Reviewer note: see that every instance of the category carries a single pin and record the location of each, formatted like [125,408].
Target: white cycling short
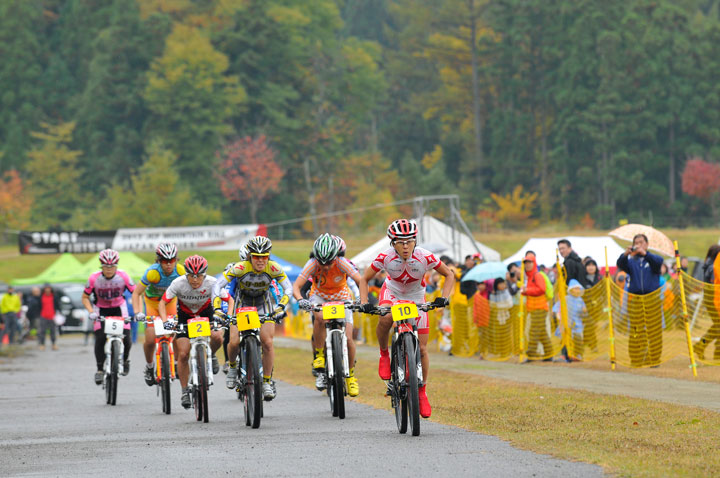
[317,300]
[387,298]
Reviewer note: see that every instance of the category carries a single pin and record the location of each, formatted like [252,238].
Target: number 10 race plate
[199,327]
[404,310]
[247,318]
[333,310]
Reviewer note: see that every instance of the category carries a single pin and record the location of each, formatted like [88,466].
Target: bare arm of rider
[299,282]
[444,270]
[137,296]
[86,302]
[363,283]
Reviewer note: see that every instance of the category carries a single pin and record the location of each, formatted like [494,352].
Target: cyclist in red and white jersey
[108,286]
[405,265]
[194,292]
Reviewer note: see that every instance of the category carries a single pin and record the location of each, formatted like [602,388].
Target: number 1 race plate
[114,325]
[198,327]
[333,310]
[404,310]
[247,318]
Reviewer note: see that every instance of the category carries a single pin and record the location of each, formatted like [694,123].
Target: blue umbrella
[486,271]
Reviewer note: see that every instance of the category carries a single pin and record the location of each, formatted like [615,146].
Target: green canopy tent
[64,269]
[129,262]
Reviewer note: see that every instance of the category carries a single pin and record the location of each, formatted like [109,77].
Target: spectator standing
[511,278]
[577,315]
[32,302]
[10,310]
[468,287]
[710,297]
[537,308]
[643,271]
[593,303]
[49,306]
[574,268]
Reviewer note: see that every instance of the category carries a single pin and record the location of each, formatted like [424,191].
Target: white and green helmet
[325,249]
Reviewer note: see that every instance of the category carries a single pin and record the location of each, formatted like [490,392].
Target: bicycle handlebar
[127,320]
[425,307]
[346,304]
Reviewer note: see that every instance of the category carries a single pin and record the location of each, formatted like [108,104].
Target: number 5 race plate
[333,310]
[404,310]
[247,318]
[114,326]
[199,327]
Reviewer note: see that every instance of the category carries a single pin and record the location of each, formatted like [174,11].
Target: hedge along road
[55,423]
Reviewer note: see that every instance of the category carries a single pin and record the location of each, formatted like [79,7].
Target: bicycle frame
[159,340]
[252,334]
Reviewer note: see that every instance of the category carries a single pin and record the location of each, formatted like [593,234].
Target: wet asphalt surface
[54,422]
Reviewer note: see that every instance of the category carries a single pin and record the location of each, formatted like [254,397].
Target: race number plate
[114,325]
[160,328]
[333,310]
[404,310]
[247,318]
[199,327]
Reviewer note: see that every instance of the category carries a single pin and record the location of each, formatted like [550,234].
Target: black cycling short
[183,317]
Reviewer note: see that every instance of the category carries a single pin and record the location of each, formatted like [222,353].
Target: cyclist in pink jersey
[108,286]
[405,265]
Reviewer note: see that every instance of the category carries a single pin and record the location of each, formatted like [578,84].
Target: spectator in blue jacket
[643,270]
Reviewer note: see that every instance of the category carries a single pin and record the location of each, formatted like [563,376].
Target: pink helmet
[109,257]
[402,229]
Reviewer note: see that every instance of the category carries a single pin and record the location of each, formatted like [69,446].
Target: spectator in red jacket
[49,305]
[537,309]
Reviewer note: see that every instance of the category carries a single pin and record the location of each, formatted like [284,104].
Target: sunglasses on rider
[195,276]
[168,261]
[405,243]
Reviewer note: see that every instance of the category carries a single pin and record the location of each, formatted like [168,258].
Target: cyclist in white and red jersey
[405,265]
[108,286]
[194,292]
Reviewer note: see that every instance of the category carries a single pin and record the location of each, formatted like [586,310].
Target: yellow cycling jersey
[253,283]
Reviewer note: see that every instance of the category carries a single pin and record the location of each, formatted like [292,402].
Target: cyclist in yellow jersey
[152,286]
[253,280]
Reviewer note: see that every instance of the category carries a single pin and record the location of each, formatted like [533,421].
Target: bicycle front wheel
[337,394]
[253,386]
[398,390]
[201,388]
[413,401]
[165,378]
[112,378]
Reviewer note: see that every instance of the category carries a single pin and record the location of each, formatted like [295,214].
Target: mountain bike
[199,330]
[249,383]
[337,367]
[164,360]
[405,366]
[114,365]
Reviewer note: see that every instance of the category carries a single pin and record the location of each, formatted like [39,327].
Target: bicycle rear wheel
[165,378]
[253,386]
[337,395]
[413,401]
[398,393]
[112,378]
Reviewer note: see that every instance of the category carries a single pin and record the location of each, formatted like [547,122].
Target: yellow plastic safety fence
[593,341]
[648,328]
[298,325]
[464,333]
[702,301]
[497,340]
[542,332]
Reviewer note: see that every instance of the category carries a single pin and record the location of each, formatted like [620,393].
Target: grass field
[627,436]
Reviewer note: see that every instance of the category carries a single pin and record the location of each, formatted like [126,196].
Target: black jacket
[575,269]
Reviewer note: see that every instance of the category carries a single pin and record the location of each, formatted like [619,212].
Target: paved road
[55,423]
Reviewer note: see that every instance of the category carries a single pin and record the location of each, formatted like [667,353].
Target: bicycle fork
[108,355]
[242,377]
[194,345]
[158,360]
[330,366]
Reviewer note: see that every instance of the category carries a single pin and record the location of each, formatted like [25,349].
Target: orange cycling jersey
[331,283]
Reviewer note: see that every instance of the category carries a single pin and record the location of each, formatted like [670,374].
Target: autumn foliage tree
[14,202]
[248,172]
[701,179]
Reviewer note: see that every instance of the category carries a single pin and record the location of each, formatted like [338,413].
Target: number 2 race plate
[199,327]
[114,325]
[404,310]
[247,318]
[333,310]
